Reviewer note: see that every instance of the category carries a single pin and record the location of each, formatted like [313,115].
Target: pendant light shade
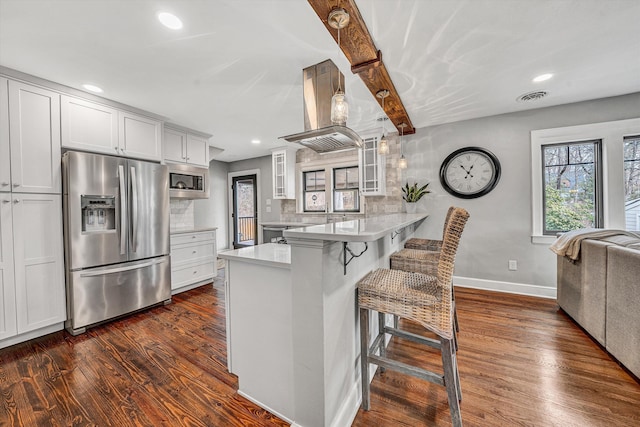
[383,145]
[339,108]
[402,163]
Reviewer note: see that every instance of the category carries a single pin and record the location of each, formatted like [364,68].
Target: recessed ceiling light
[255,141]
[92,88]
[169,20]
[542,78]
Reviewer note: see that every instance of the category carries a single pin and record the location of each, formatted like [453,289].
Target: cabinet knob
[16,201]
[188,158]
[195,271]
[194,252]
[116,149]
[193,237]
[6,201]
[4,184]
[16,185]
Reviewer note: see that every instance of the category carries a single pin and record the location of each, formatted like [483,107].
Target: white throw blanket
[569,243]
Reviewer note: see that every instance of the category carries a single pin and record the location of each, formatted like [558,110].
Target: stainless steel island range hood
[320,82]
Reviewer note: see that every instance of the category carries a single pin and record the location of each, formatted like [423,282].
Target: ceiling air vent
[532,96]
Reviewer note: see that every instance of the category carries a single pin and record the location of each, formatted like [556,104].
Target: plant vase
[411,207]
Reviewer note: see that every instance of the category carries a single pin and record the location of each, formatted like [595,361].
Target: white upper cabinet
[5,152]
[283,164]
[181,146]
[197,150]
[89,126]
[34,139]
[372,167]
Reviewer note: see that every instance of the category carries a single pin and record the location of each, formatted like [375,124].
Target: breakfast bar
[292,327]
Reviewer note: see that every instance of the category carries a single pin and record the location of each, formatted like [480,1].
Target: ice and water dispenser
[98,213]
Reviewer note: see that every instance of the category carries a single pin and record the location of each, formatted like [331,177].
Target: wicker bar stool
[426,299]
[429,244]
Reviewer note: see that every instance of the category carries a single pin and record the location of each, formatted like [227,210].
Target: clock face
[470,172]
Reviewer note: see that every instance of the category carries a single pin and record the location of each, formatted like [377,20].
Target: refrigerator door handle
[123,210]
[104,271]
[134,210]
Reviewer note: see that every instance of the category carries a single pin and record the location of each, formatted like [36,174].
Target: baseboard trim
[508,287]
[262,405]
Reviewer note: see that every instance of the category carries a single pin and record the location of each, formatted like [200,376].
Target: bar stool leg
[364,357]
[448,363]
[383,350]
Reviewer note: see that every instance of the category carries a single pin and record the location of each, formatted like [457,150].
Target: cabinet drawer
[179,239]
[192,253]
[185,276]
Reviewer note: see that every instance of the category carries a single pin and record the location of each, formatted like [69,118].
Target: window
[614,138]
[632,182]
[346,196]
[572,186]
[314,191]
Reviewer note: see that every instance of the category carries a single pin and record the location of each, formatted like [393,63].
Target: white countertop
[361,230]
[270,254]
[191,230]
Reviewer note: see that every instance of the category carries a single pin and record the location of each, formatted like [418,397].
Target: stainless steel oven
[188,182]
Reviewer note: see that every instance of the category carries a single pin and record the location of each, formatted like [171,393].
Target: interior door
[148,209]
[245,211]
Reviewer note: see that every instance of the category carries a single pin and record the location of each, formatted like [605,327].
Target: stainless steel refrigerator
[116,226]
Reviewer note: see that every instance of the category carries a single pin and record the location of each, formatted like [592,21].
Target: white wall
[212,212]
[500,225]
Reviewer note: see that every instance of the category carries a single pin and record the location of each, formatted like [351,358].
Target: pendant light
[339,18]
[383,145]
[402,163]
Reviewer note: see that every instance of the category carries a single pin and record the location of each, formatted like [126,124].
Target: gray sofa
[601,292]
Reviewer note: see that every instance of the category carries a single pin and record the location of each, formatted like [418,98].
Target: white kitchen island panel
[292,327]
[259,325]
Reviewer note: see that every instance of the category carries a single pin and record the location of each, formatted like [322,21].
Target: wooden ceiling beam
[365,59]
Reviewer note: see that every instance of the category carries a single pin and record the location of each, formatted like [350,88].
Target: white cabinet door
[34,136]
[5,153]
[283,164]
[140,137]
[89,126]
[7,287]
[197,151]
[372,168]
[175,145]
[39,275]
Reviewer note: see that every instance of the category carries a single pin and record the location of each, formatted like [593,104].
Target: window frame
[597,167]
[612,135]
[356,188]
[304,191]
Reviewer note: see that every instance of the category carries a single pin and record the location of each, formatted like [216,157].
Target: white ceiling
[235,69]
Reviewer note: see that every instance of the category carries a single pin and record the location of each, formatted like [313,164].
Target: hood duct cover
[320,82]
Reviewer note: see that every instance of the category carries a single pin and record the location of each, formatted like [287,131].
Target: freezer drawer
[99,294]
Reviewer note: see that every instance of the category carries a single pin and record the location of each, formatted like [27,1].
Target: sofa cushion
[623,306]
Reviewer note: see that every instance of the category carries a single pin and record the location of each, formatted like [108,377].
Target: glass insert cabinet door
[372,167]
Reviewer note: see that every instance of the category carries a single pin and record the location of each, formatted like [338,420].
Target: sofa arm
[581,287]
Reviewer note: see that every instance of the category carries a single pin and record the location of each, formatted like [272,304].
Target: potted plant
[413,193]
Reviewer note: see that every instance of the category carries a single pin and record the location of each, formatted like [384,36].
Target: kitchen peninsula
[292,331]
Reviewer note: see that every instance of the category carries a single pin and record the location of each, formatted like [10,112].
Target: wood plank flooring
[522,362]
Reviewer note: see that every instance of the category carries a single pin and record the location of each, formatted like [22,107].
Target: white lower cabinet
[32,292]
[193,259]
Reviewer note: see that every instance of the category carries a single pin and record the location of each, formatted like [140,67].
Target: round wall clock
[470,172]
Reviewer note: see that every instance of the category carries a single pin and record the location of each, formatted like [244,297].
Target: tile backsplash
[181,214]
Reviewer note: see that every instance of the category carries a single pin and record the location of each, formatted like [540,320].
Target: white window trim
[328,186]
[612,135]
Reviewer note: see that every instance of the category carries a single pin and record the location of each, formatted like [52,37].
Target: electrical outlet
[513,265]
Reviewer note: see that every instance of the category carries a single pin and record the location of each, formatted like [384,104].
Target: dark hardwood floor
[522,362]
